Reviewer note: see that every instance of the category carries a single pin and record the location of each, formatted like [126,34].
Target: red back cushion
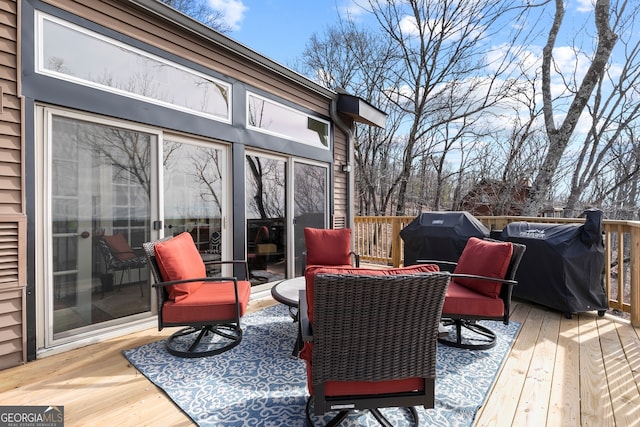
[179,259]
[311,272]
[328,247]
[119,246]
[484,258]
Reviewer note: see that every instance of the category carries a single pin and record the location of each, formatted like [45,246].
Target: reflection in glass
[70,51]
[310,204]
[265,212]
[99,192]
[274,118]
[193,186]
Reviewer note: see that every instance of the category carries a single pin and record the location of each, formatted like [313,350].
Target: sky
[279,29]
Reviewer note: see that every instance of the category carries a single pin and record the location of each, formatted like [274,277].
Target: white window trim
[40,69]
[266,131]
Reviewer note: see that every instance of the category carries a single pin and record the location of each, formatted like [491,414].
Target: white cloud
[353,8]
[408,25]
[585,5]
[232,11]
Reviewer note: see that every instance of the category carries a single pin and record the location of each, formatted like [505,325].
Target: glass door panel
[194,197]
[309,204]
[266,214]
[100,214]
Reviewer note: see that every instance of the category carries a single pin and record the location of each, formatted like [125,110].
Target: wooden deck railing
[377,240]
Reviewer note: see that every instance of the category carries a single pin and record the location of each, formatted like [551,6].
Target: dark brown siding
[12,220]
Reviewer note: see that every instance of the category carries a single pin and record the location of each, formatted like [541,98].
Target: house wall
[12,219]
[148,27]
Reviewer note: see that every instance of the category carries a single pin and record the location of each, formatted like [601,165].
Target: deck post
[635,276]
[396,242]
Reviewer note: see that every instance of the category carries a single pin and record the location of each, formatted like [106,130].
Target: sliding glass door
[195,193]
[107,188]
[309,204]
[266,213]
[99,192]
[283,196]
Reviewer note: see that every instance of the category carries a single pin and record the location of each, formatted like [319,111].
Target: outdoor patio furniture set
[369,335]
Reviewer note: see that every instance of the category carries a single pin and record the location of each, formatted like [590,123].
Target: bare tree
[348,58]
[202,11]
[579,92]
[444,79]
[609,144]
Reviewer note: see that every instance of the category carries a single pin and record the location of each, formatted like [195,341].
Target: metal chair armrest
[435,261]
[200,279]
[242,262]
[489,279]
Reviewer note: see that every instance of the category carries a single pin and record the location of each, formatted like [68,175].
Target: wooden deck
[560,372]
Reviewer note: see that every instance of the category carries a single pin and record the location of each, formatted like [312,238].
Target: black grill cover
[440,236]
[563,265]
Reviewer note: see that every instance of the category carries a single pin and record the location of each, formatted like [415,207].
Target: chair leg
[231,332]
[381,419]
[385,422]
[335,421]
[140,282]
[486,340]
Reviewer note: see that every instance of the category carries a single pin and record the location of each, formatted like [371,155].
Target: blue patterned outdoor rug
[258,383]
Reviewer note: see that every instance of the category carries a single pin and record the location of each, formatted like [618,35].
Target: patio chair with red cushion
[480,289]
[206,306]
[372,343]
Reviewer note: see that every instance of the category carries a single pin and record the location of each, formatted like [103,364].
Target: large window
[76,54]
[273,118]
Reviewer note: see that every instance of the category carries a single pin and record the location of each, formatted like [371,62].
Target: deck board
[564,399]
[583,371]
[596,409]
[502,403]
[532,408]
[622,387]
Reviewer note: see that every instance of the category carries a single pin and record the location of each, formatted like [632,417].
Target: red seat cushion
[328,247]
[484,258]
[213,301]
[119,246]
[461,301]
[313,270]
[179,259]
[351,388]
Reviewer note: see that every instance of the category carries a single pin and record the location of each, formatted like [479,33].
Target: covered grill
[563,266]
[440,236]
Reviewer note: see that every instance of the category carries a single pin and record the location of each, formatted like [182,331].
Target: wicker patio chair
[374,342]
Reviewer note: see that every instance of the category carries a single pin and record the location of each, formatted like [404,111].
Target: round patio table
[288,292]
